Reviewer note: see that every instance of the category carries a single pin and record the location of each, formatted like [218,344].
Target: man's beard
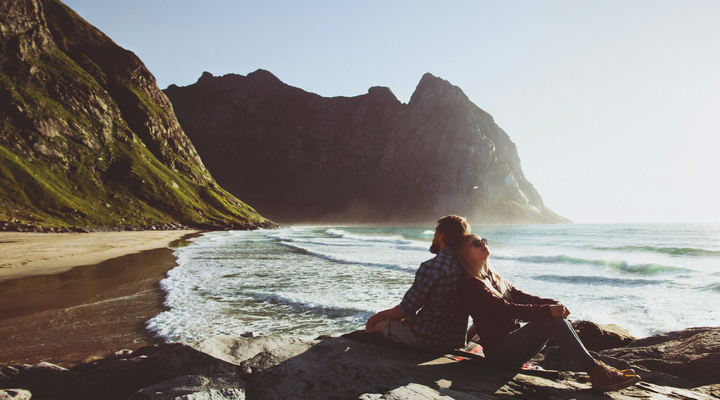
[435,247]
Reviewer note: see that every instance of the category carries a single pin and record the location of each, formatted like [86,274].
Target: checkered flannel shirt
[442,319]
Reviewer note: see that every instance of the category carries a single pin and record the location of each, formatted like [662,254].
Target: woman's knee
[558,321]
[550,324]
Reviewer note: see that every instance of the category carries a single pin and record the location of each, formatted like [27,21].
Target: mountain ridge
[301,157]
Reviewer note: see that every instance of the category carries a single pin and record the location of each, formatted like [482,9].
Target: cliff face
[87,138]
[300,157]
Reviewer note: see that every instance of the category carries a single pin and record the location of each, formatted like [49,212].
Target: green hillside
[87,138]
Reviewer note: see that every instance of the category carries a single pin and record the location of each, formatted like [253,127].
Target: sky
[614,105]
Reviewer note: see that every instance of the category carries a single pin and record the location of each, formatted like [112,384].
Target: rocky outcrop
[337,368]
[88,139]
[300,157]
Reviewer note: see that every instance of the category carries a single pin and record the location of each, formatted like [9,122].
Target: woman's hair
[481,269]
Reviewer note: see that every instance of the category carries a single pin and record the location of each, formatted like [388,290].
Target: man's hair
[454,228]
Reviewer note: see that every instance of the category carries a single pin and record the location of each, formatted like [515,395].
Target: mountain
[300,157]
[88,139]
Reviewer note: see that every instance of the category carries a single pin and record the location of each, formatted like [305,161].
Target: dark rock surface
[693,354]
[87,139]
[232,367]
[300,157]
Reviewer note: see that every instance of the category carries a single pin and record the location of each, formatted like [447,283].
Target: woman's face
[478,249]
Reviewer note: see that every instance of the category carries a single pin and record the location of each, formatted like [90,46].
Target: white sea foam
[348,258]
[308,281]
[393,239]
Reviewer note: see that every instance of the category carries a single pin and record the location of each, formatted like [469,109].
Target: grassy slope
[90,168]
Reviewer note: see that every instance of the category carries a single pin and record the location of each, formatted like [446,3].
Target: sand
[71,298]
[29,254]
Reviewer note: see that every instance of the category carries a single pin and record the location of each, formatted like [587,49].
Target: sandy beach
[72,297]
[29,254]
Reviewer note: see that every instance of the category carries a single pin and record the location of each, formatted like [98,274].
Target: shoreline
[30,254]
[92,302]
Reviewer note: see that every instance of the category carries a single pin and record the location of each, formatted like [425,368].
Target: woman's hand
[558,310]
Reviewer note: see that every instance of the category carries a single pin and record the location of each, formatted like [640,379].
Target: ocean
[308,281]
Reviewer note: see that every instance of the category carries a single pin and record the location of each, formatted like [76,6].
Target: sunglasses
[479,242]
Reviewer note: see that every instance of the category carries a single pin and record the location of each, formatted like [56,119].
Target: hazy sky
[614,105]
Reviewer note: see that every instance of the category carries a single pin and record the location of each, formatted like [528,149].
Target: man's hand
[392,313]
[374,320]
[559,310]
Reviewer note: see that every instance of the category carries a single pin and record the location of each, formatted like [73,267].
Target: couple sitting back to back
[459,281]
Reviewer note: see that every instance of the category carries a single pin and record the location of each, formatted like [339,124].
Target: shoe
[606,378]
[623,371]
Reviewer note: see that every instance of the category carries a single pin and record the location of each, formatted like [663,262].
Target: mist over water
[308,281]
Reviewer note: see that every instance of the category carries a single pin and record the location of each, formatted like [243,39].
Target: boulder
[692,354]
[15,394]
[205,369]
[41,379]
[195,387]
[414,391]
[117,376]
[598,337]
[236,350]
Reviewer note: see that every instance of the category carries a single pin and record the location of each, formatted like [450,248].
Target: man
[432,314]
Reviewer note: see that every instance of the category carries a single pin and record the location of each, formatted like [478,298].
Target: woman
[496,306]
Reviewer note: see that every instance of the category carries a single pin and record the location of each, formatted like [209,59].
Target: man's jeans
[524,343]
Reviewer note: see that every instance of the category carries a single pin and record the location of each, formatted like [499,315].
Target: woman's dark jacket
[494,317]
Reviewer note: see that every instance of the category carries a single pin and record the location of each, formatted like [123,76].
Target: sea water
[308,281]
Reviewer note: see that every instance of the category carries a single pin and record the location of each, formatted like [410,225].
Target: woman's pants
[525,342]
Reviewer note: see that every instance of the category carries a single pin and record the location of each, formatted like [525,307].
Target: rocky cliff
[86,136]
[300,157]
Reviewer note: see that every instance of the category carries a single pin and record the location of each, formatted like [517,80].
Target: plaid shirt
[442,319]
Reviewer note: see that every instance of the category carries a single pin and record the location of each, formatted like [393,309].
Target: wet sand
[88,311]
[29,254]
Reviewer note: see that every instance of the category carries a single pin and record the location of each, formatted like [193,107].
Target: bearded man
[431,315]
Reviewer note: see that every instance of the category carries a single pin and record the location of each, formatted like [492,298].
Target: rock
[414,391]
[42,379]
[387,161]
[195,387]
[692,354]
[236,350]
[598,337]
[118,376]
[211,367]
[15,394]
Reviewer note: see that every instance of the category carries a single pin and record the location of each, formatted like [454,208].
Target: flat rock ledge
[676,365]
